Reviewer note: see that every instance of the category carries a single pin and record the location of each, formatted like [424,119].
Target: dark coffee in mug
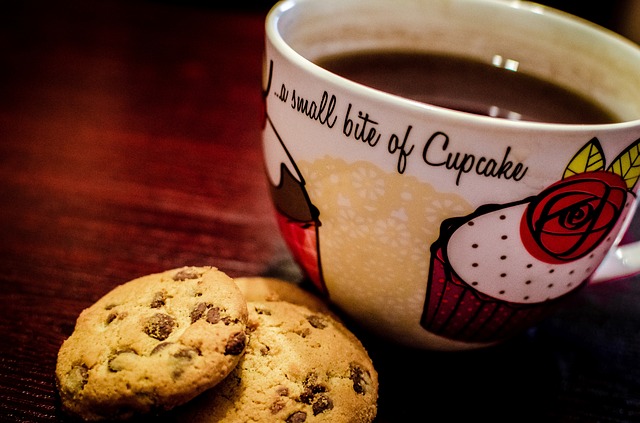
[496,89]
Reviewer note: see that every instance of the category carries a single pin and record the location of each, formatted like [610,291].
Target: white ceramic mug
[437,228]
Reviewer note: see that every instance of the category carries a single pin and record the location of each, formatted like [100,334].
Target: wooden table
[130,144]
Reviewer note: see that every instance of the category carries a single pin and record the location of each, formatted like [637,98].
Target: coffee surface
[468,85]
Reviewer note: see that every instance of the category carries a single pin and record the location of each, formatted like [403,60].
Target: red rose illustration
[571,217]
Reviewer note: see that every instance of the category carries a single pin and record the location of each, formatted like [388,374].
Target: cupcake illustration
[500,269]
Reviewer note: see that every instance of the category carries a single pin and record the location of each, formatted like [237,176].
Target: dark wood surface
[130,144]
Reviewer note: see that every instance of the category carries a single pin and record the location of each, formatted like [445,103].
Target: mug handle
[621,262]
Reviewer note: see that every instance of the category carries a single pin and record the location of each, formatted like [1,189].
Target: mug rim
[275,37]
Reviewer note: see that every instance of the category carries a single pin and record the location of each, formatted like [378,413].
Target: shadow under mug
[438,228]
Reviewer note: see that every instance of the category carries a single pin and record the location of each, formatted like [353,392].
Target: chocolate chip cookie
[299,366]
[152,343]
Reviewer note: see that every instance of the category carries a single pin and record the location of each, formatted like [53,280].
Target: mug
[439,228]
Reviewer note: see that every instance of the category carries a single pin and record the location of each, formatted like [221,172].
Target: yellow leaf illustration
[589,159]
[627,164]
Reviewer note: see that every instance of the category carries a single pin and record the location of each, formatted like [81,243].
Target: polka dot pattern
[488,254]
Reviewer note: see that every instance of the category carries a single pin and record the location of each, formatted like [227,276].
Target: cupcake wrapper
[455,310]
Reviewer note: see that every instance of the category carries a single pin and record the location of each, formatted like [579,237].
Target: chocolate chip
[115,315]
[321,404]
[235,344]
[306,396]
[264,311]
[277,406]
[311,381]
[161,346]
[318,388]
[359,377]
[297,417]
[198,312]
[186,354]
[312,389]
[302,332]
[186,273]
[159,326]
[158,299]
[317,321]
[213,315]
[228,320]
[111,317]
[282,391]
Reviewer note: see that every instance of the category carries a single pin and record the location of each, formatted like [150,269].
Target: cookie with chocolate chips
[300,365]
[152,343]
